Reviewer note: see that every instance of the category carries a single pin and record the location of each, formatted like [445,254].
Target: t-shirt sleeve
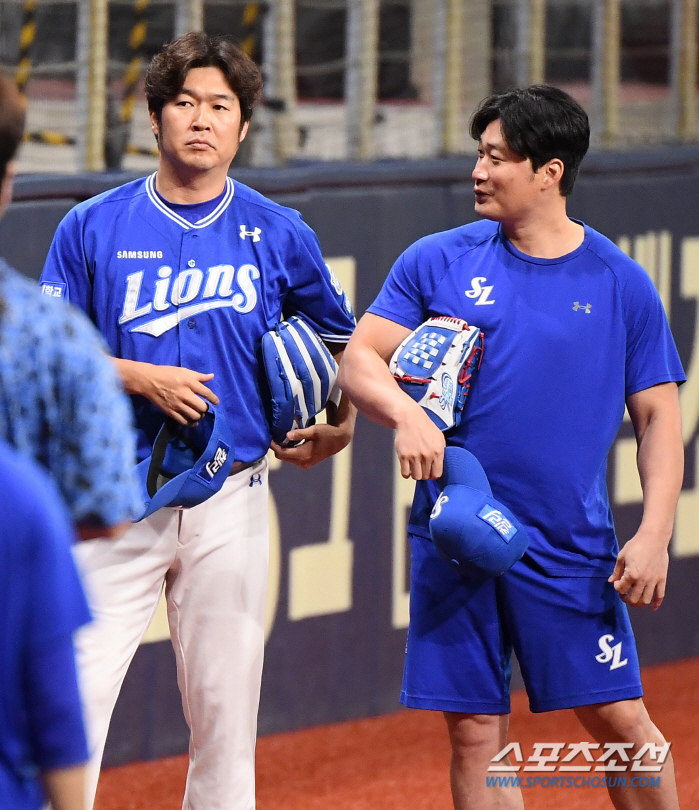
[315,292]
[401,298]
[56,607]
[55,720]
[651,354]
[94,456]
[58,604]
[65,273]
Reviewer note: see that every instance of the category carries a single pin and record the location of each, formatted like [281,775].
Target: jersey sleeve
[651,354]
[315,292]
[401,298]
[65,273]
[93,456]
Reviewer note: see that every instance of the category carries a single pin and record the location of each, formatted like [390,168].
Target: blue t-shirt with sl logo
[566,341]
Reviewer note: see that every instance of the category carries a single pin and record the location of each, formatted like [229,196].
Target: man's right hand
[178,392]
[366,379]
[420,446]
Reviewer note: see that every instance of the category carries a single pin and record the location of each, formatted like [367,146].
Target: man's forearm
[65,787]
[365,377]
[343,416]
[657,420]
[134,375]
[661,466]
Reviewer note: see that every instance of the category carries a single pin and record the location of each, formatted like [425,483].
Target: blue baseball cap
[187,464]
[469,528]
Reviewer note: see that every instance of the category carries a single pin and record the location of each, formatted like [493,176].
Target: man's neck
[545,235]
[188,186]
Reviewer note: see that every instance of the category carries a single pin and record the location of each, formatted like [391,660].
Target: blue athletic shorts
[571,635]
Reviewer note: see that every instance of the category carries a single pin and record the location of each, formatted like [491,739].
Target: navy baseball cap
[187,464]
[469,528]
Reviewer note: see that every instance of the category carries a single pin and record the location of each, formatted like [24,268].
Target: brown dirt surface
[401,760]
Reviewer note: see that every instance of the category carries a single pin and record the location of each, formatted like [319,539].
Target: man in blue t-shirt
[574,330]
[42,739]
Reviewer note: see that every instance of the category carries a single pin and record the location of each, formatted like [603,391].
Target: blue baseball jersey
[566,341]
[41,605]
[200,294]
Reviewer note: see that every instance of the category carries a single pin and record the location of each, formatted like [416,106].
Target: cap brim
[462,467]
[200,478]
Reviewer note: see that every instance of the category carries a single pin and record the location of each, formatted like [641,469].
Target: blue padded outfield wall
[338,603]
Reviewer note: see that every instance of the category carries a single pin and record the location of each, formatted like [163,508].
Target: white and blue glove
[435,365]
[302,376]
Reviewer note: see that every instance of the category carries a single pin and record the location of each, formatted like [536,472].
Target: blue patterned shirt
[62,404]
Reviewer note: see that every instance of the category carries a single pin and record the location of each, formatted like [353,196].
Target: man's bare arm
[65,787]
[365,378]
[641,569]
[178,392]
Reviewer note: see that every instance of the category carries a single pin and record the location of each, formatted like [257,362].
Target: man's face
[200,128]
[505,184]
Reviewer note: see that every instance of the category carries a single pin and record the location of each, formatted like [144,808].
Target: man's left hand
[640,573]
[319,442]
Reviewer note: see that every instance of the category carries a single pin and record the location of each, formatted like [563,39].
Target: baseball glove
[435,365]
[302,376]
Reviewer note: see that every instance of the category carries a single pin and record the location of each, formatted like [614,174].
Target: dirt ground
[401,760]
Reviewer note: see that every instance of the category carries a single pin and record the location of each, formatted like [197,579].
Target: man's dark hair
[12,112]
[169,67]
[540,123]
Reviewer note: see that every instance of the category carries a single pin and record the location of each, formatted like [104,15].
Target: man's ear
[154,124]
[552,172]
[243,131]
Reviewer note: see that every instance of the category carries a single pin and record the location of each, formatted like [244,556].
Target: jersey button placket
[187,261]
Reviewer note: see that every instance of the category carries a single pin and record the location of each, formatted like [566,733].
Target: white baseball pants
[213,561]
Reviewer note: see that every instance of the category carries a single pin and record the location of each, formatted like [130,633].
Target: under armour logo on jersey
[610,653]
[480,291]
[255,479]
[255,234]
[587,307]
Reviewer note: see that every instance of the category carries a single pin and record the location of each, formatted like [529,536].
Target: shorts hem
[588,699]
[459,706]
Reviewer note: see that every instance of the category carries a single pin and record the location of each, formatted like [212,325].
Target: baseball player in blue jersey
[573,330]
[183,272]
